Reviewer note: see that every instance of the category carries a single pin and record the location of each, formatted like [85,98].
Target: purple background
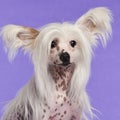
[104,84]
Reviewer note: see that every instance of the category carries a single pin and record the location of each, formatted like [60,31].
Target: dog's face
[63,52]
[64,46]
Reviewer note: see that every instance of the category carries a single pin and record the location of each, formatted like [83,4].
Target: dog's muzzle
[65,58]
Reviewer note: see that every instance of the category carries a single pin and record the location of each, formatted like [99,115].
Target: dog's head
[62,44]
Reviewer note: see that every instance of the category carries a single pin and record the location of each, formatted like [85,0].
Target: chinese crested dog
[61,55]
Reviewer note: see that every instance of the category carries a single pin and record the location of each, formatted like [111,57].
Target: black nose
[65,58]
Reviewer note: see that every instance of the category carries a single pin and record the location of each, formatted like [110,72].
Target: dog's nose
[65,58]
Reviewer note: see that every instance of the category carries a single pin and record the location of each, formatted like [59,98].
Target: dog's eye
[53,44]
[73,43]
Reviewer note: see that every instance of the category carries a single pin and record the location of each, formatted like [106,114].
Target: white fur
[93,25]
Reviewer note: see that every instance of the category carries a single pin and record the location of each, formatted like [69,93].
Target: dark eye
[53,44]
[73,43]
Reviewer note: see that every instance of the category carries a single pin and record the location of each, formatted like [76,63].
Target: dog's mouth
[65,64]
[62,71]
[62,67]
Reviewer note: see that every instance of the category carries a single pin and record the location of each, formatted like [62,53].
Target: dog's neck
[61,75]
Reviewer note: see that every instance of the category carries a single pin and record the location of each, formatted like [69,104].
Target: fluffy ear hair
[98,23]
[16,37]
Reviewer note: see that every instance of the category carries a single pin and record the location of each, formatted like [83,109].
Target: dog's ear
[16,37]
[98,22]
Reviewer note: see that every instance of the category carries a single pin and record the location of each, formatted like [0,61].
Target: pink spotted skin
[62,108]
[65,111]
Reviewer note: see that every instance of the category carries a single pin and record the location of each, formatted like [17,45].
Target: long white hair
[93,25]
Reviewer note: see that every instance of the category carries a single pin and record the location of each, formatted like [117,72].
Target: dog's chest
[62,108]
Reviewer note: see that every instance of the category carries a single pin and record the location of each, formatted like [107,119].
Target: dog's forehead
[71,31]
[62,30]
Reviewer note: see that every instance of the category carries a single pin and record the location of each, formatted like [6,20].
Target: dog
[61,54]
